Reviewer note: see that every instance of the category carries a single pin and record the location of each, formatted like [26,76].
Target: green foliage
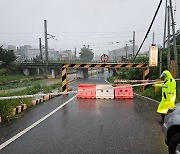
[132,73]
[154,73]
[6,106]
[86,54]
[11,69]
[7,78]
[4,72]
[141,60]
[150,92]
[7,57]
[17,85]
[38,59]
[111,79]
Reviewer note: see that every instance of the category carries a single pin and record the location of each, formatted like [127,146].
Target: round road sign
[104,58]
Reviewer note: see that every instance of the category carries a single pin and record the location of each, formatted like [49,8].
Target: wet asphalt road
[88,126]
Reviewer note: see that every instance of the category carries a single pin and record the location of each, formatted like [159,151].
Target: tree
[37,59]
[86,54]
[7,56]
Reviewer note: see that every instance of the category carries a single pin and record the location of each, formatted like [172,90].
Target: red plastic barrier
[86,94]
[123,91]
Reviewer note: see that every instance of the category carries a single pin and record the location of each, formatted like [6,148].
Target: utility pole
[165,25]
[75,53]
[153,39]
[164,40]
[126,51]
[40,49]
[168,51]
[174,38]
[46,45]
[134,33]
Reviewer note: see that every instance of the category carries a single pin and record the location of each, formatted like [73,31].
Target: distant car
[171,129]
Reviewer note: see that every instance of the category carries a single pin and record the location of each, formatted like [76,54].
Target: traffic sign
[104,58]
[153,55]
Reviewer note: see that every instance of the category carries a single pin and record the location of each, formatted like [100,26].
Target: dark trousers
[163,116]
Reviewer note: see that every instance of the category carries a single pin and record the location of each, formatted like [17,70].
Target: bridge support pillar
[82,73]
[85,73]
[53,73]
[26,72]
[100,70]
[38,71]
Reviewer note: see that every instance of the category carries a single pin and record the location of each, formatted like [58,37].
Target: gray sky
[79,22]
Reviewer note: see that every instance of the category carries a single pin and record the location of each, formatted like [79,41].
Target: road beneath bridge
[88,126]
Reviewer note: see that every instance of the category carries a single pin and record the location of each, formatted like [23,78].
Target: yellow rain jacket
[168,93]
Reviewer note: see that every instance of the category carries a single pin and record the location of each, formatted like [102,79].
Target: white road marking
[34,125]
[147,98]
[107,81]
[72,81]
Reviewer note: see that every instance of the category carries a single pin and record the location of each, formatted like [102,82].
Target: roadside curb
[69,81]
[20,108]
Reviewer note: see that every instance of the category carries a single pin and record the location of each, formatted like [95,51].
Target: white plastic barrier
[106,92]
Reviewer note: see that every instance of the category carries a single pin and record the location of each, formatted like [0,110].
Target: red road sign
[104,58]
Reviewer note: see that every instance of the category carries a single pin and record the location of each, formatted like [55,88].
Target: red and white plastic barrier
[123,91]
[104,92]
[84,93]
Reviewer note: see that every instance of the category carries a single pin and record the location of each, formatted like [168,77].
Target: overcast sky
[77,22]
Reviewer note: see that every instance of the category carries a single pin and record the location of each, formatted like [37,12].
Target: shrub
[150,92]
[4,71]
[6,106]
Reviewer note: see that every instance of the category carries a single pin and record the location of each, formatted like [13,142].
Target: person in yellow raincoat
[168,93]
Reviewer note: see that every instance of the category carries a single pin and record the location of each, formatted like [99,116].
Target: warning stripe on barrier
[73,92]
[146,73]
[64,80]
[107,65]
[144,66]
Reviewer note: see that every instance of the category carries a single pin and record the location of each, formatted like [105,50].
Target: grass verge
[6,106]
[7,78]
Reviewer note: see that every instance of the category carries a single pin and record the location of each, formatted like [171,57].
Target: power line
[148,29]
[18,33]
[84,33]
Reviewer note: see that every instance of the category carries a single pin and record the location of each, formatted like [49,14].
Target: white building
[66,55]
[26,52]
[53,54]
[119,54]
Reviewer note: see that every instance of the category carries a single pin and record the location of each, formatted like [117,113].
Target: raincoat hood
[167,75]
